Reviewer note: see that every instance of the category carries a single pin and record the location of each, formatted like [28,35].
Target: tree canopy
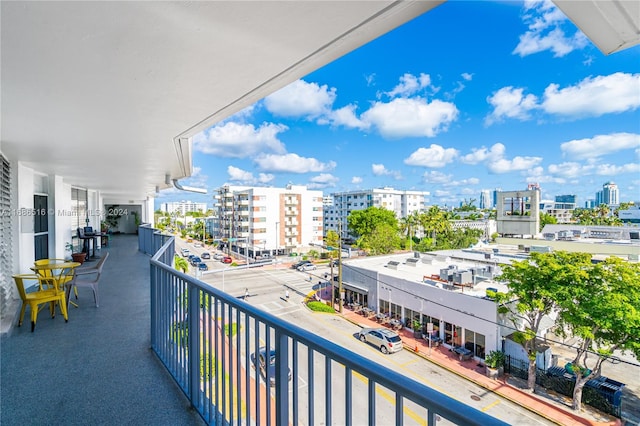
[364,222]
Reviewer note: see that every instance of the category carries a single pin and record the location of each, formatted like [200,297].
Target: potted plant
[76,257]
[417,329]
[494,363]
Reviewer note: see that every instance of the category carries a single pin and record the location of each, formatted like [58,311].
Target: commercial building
[260,220]
[451,290]
[402,203]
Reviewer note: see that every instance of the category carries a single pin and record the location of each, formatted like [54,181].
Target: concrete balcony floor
[98,368]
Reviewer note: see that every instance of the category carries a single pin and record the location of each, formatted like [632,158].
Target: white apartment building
[182,207]
[259,220]
[402,203]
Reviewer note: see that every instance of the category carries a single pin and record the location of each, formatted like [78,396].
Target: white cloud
[510,102]
[545,33]
[434,176]
[441,193]
[570,170]
[239,140]
[504,165]
[480,155]
[345,116]
[381,170]
[410,84]
[292,163]
[435,156]
[614,170]
[356,180]
[414,117]
[594,96]
[323,180]
[301,99]
[470,181]
[238,175]
[467,76]
[370,79]
[600,145]
[537,174]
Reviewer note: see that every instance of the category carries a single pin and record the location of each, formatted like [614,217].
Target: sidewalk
[552,409]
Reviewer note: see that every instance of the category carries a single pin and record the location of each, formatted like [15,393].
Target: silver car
[388,341]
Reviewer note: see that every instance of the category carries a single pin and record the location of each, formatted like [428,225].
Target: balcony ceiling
[99,92]
[102,93]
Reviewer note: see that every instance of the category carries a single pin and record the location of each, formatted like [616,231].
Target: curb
[482,385]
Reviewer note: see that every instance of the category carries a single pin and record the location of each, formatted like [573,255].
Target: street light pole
[340,266]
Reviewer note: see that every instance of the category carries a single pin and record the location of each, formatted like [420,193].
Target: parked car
[185,252]
[218,256]
[195,260]
[227,259]
[307,267]
[197,244]
[388,341]
[203,266]
[299,264]
[266,362]
[333,263]
[205,255]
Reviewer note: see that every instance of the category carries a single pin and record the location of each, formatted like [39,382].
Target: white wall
[26,246]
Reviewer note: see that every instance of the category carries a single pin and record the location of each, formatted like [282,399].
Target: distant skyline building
[610,194]
[402,203]
[182,207]
[494,197]
[485,199]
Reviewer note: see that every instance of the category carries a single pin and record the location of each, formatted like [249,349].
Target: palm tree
[434,221]
[408,225]
[180,263]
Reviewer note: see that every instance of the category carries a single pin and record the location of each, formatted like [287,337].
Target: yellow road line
[490,406]
[392,400]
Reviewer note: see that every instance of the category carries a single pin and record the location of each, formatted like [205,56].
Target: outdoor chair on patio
[87,277]
[39,297]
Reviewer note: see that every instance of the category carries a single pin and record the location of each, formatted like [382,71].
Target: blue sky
[470,96]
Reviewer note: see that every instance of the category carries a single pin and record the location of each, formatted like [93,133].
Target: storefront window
[474,342]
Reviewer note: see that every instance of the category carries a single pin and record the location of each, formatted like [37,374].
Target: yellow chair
[47,276]
[36,298]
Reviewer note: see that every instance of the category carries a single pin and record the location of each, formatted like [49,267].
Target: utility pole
[340,266]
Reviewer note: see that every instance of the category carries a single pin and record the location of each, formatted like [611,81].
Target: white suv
[386,340]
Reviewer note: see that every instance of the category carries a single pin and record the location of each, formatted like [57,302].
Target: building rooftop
[476,266]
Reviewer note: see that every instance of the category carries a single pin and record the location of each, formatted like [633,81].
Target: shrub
[320,307]
[495,359]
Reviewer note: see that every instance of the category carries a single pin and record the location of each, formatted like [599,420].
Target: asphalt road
[267,288]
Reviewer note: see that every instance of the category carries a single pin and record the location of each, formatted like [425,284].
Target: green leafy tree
[535,287]
[434,222]
[407,226]
[363,222]
[384,239]
[180,263]
[547,219]
[602,309]
[332,239]
[600,215]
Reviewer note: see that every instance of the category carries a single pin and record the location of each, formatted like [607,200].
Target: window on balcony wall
[78,209]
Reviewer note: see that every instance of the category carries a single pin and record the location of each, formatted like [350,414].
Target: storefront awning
[352,287]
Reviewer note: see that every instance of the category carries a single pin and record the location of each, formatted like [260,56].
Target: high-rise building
[494,196]
[485,199]
[610,194]
[259,220]
[402,203]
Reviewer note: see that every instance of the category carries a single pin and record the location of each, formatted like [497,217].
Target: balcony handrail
[168,289]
